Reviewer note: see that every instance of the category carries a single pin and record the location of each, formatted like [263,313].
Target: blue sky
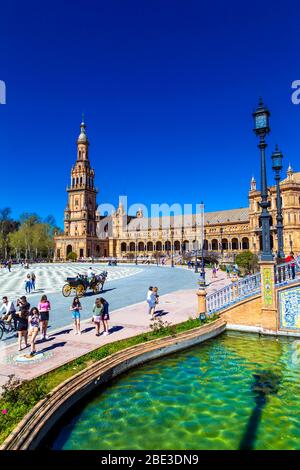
[167,88]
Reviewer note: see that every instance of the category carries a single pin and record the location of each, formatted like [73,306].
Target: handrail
[285,273]
[233,293]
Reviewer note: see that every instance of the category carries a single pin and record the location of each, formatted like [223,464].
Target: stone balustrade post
[201,294]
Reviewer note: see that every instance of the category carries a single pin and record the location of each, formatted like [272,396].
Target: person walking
[105,315]
[292,267]
[33,321]
[75,309]
[21,316]
[28,284]
[33,278]
[97,315]
[151,300]
[44,308]
[228,270]
[214,272]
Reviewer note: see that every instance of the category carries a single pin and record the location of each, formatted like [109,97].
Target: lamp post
[261,129]
[221,246]
[291,242]
[277,167]
[136,261]
[196,248]
[172,247]
[202,283]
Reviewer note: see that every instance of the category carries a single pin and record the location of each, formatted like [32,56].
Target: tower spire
[82,138]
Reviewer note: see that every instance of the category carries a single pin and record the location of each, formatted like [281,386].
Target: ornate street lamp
[291,242]
[196,248]
[261,129]
[136,246]
[172,247]
[202,283]
[221,246]
[277,167]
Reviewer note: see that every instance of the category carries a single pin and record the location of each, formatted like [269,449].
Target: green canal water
[233,392]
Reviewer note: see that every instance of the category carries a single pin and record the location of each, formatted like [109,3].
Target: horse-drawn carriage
[81,283]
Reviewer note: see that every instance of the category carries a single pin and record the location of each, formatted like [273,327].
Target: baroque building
[226,232]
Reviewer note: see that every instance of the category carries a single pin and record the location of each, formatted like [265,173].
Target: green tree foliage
[247,260]
[72,256]
[7,226]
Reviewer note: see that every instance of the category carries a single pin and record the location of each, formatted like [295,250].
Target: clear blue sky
[167,88]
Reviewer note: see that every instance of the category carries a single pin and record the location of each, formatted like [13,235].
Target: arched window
[132,246]
[168,245]
[224,244]
[234,244]
[123,246]
[141,246]
[69,249]
[185,245]
[245,243]
[149,246]
[177,245]
[158,246]
[214,245]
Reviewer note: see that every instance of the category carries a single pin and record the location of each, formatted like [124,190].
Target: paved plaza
[125,291]
[51,277]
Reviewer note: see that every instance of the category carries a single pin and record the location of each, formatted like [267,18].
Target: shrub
[247,260]
[72,256]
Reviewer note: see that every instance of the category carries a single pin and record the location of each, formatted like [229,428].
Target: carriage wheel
[80,290]
[1,331]
[66,290]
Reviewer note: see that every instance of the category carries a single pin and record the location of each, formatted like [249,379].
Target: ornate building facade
[226,232]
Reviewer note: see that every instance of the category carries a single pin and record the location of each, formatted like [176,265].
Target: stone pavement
[63,345]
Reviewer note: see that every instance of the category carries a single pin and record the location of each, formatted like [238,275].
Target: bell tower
[80,217]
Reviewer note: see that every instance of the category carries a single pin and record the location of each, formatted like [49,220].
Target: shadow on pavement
[116,328]
[92,294]
[53,346]
[62,332]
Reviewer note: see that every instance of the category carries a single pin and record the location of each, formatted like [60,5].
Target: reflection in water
[235,391]
[265,383]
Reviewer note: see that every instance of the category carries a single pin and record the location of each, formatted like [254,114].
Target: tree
[72,256]
[7,226]
[247,261]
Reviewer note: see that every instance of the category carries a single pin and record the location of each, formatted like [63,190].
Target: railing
[287,272]
[233,293]
[284,274]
